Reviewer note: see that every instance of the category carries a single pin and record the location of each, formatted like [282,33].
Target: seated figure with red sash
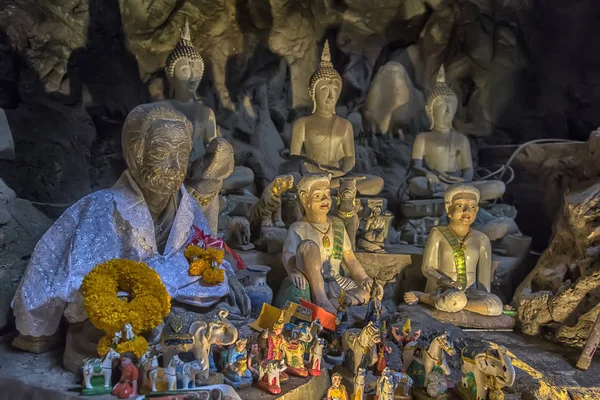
[457,260]
[127,386]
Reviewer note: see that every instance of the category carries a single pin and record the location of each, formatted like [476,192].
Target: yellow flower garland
[201,263]
[150,301]
[137,346]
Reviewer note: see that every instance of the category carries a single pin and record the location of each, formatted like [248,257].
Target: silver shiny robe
[110,223]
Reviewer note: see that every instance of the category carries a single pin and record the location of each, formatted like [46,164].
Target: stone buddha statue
[457,260]
[442,156]
[315,247]
[148,215]
[324,141]
[184,70]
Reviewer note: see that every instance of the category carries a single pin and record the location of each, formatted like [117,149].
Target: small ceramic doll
[375,307]
[236,371]
[383,352]
[407,335]
[253,359]
[386,385]
[127,386]
[269,374]
[294,355]
[336,391]
[316,356]
[359,384]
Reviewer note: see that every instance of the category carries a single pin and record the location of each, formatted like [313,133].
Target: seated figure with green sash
[457,260]
[316,246]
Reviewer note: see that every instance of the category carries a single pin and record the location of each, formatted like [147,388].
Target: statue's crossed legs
[454,300]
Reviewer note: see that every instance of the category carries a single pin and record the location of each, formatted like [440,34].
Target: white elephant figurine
[187,373]
[99,367]
[186,332]
[484,370]
[168,374]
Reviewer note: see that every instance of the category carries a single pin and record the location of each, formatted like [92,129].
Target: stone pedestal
[467,319]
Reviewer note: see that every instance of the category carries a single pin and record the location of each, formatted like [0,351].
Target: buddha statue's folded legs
[454,300]
[421,187]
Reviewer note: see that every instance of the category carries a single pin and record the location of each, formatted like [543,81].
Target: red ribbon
[200,236]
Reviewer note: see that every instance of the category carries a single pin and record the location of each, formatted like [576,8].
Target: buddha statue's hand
[432,178]
[298,280]
[313,167]
[448,283]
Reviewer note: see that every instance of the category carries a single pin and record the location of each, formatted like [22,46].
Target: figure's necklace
[326,241]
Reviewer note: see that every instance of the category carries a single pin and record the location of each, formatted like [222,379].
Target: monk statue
[148,215]
[315,247]
[447,153]
[184,70]
[457,260]
[324,141]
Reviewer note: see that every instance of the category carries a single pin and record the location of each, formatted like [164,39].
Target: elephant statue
[186,332]
[485,370]
[238,233]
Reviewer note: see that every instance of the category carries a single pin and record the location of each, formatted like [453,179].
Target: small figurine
[359,384]
[348,207]
[253,359]
[275,343]
[336,391]
[98,367]
[187,372]
[386,385]
[342,312]
[316,355]
[269,375]
[294,355]
[236,372]
[403,384]
[407,334]
[427,366]
[117,338]
[362,344]
[127,386]
[375,307]
[485,372]
[376,231]
[129,335]
[167,374]
[383,352]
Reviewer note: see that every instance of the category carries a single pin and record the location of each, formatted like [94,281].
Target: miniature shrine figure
[407,335]
[376,231]
[236,372]
[341,317]
[383,352]
[275,343]
[129,335]
[184,70]
[323,140]
[253,359]
[316,246]
[375,306]
[269,376]
[361,344]
[117,338]
[128,385]
[336,391]
[358,391]
[294,355]
[486,369]
[316,356]
[386,385]
[146,216]
[446,153]
[458,260]
[93,367]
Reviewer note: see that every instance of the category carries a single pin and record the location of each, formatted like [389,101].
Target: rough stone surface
[466,319]
[21,225]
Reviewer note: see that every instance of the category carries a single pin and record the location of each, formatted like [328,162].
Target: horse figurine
[187,372]
[427,366]
[269,373]
[316,355]
[168,374]
[362,343]
[97,367]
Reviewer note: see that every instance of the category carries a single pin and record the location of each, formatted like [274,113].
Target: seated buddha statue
[442,156]
[324,141]
[148,216]
[184,70]
[457,260]
[315,247]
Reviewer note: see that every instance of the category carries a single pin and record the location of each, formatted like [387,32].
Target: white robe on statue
[110,223]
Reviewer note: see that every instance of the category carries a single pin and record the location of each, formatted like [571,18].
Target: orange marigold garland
[150,301]
[137,346]
[204,261]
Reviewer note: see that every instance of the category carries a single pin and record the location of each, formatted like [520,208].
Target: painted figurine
[275,345]
[98,367]
[403,384]
[427,366]
[127,386]
[375,307]
[377,228]
[341,317]
[336,391]
[236,372]
[294,355]
[383,352]
[359,384]
[386,386]
[253,359]
[117,338]
[485,372]
[270,374]
[361,344]
[407,335]
[129,335]
[316,356]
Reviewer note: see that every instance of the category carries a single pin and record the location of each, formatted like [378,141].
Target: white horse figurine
[362,343]
[316,355]
[96,367]
[168,374]
[187,372]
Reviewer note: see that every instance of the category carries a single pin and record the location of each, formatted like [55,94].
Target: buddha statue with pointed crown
[323,140]
[184,70]
[442,156]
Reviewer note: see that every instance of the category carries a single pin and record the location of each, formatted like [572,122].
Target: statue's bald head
[157,141]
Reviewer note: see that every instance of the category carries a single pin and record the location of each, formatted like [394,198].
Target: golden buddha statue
[446,152]
[324,141]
